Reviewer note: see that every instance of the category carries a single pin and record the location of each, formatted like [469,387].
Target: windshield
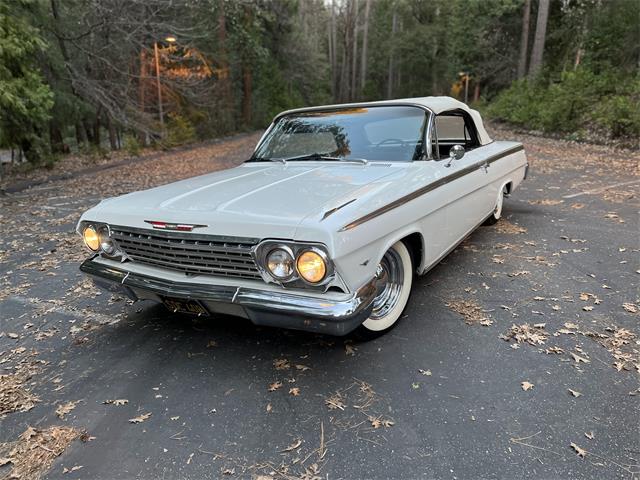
[374,133]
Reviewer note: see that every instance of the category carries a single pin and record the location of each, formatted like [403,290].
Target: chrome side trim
[335,209]
[432,186]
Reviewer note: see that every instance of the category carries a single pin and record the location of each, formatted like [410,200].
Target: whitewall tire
[395,276]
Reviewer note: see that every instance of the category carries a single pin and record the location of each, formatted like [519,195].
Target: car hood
[230,201]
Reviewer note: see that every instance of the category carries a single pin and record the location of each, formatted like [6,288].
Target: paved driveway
[517,356]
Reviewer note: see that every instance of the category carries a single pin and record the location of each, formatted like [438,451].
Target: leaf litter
[472,312]
[33,453]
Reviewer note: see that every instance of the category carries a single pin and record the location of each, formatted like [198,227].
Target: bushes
[179,131]
[579,101]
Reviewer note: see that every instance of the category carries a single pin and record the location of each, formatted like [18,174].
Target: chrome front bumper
[278,309]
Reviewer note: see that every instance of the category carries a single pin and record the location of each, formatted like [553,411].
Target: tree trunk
[247,78]
[141,86]
[226,100]
[55,138]
[476,91]
[535,65]
[334,59]
[394,26]
[88,131]
[354,59]
[96,128]
[365,32]
[81,135]
[524,39]
[113,140]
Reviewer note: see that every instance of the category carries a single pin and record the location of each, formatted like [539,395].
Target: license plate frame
[185,305]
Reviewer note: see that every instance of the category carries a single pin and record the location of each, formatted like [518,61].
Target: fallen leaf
[302,368]
[295,391]
[589,435]
[630,307]
[117,402]
[377,422]
[72,469]
[281,364]
[274,386]
[587,308]
[140,419]
[427,373]
[293,446]
[65,408]
[575,393]
[349,349]
[526,386]
[580,451]
[578,358]
[269,407]
[334,401]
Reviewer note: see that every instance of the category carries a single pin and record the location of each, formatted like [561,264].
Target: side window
[455,128]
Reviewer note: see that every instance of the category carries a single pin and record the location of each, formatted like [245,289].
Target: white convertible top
[437,105]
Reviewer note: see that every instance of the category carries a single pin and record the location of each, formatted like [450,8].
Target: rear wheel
[497,211]
[395,276]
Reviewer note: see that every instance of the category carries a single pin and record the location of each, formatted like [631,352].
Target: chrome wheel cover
[390,274]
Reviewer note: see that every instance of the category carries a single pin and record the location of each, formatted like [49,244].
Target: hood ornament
[180,227]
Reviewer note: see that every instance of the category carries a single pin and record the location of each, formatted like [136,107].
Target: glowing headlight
[280,263]
[106,243]
[311,266]
[91,238]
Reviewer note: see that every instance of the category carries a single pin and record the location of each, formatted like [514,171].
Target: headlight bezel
[100,227]
[264,249]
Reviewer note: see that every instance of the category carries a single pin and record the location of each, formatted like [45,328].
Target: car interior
[454,128]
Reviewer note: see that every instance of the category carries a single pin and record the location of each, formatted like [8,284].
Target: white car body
[356,210]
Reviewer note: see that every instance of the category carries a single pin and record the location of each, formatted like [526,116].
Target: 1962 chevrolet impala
[323,228]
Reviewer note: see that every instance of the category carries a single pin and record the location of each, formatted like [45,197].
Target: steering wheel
[390,140]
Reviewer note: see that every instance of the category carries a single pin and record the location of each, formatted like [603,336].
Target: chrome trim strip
[432,186]
[335,209]
[187,235]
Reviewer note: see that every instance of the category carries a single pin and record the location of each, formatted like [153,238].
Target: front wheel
[395,276]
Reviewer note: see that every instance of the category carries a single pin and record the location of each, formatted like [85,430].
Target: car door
[467,186]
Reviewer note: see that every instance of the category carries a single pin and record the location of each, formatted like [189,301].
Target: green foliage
[132,145]
[179,131]
[25,100]
[579,100]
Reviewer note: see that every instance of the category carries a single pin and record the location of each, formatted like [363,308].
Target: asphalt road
[438,397]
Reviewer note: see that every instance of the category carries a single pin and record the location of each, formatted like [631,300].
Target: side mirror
[455,153]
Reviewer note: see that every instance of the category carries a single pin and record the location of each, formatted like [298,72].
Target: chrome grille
[189,253]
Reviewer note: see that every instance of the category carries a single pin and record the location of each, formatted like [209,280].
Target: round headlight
[106,243]
[280,263]
[91,238]
[311,266]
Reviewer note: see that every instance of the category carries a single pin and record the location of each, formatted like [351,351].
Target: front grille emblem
[180,227]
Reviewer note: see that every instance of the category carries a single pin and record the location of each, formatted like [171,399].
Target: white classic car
[323,228]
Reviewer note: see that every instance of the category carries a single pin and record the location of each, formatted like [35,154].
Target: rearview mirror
[455,153]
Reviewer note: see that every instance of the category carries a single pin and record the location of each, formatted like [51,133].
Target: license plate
[180,305]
